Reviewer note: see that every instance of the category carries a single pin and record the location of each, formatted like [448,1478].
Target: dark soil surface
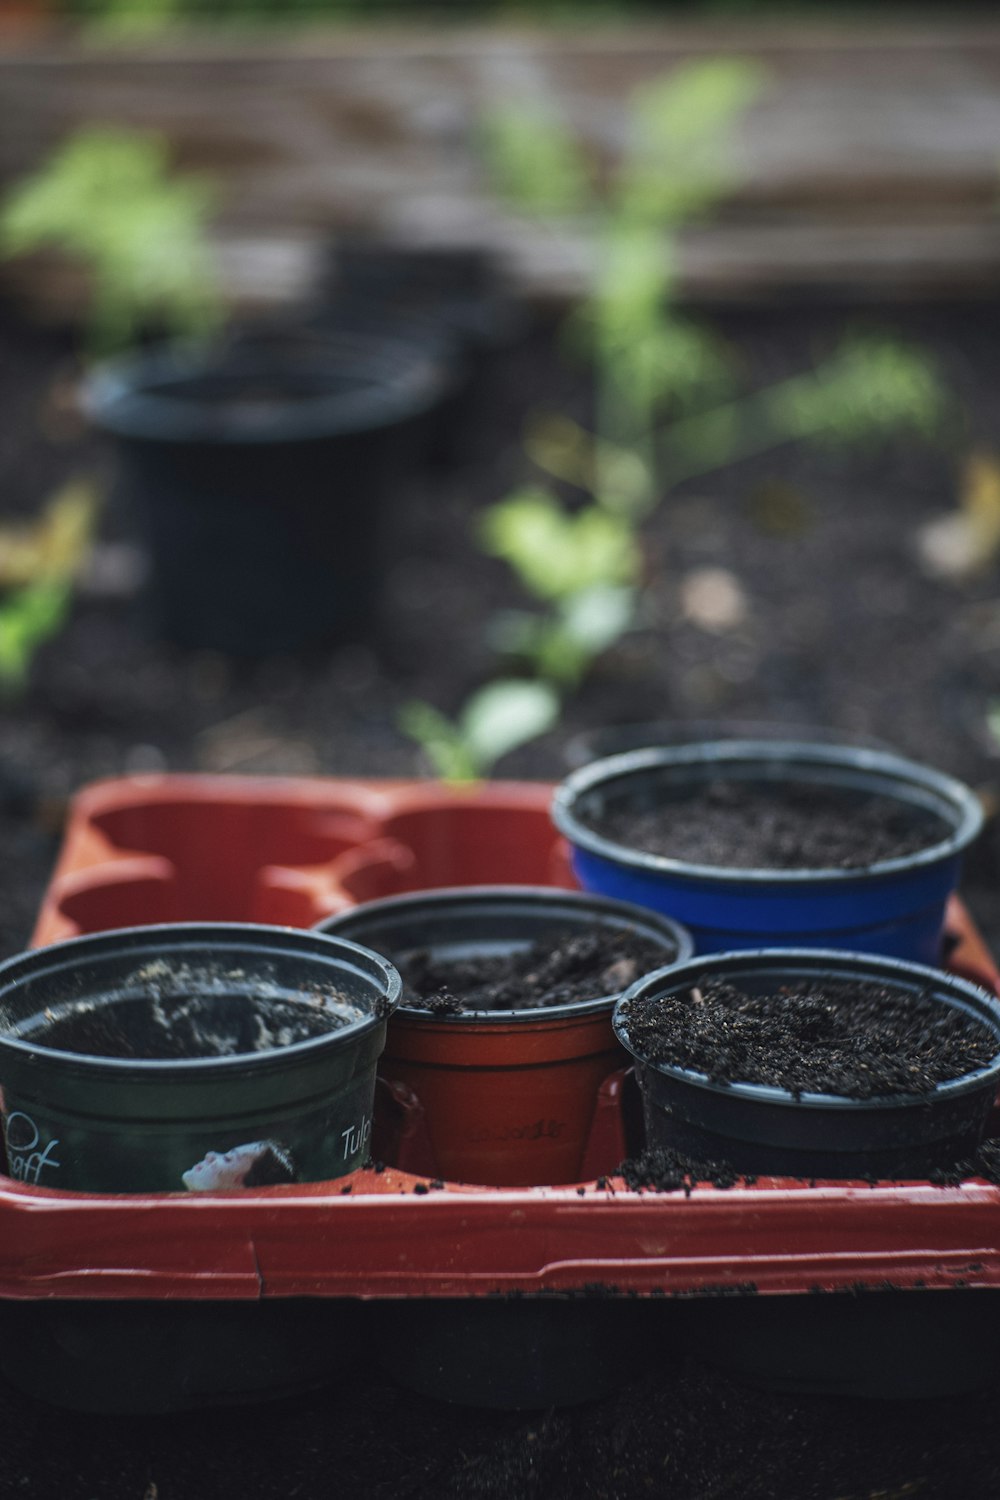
[195,1026]
[849,1037]
[795,827]
[557,970]
[840,627]
[664,1170]
[687,1434]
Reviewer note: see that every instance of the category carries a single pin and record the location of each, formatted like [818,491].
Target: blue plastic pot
[771,1131]
[894,907]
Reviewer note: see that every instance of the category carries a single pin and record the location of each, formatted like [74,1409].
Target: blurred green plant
[666,406]
[583,566]
[108,199]
[39,564]
[495,720]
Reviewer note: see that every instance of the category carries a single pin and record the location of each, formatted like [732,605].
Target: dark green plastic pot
[239,1118]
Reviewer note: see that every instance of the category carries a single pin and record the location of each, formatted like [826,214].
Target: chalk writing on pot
[356,1137]
[537,1130]
[26,1156]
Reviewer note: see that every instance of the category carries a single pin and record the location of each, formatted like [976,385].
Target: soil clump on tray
[555,970]
[854,1038]
[742,826]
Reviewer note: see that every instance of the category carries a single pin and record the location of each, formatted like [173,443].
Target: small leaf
[534,160]
[870,386]
[682,128]
[556,554]
[107,198]
[27,619]
[698,101]
[598,617]
[504,715]
[54,546]
[440,740]
[963,542]
[562,448]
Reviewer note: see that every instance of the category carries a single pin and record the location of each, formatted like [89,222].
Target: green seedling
[866,390]
[28,617]
[130,20]
[583,566]
[56,544]
[562,643]
[107,198]
[665,407]
[495,720]
[554,553]
[38,566]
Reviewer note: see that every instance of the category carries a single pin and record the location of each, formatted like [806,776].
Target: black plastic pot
[260,470]
[460,288]
[455,297]
[520,1353]
[768,1131]
[229,1117]
[894,907]
[147,1357]
[508,1096]
[878,1343]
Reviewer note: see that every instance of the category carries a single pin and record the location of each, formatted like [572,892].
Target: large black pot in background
[260,470]
[456,298]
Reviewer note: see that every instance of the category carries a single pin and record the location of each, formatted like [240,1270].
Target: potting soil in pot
[736,824]
[555,970]
[143,1022]
[854,1038]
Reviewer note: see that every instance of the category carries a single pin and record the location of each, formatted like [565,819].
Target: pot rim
[155,940]
[121,395]
[967,821]
[468,898]
[800,961]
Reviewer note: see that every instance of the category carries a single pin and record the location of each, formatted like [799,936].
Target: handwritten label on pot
[356,1137]
[26,1153]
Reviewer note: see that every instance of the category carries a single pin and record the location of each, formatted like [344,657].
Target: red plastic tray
[142,849]
[158,848]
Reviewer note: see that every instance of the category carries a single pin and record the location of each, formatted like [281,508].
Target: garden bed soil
[739,826]
[858,1039]
[561,969]
[838,625]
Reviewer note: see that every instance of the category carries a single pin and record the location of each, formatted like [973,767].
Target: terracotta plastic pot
[894,907]
[771,1131]
[508,1096]
[259,470]
[159,1059]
